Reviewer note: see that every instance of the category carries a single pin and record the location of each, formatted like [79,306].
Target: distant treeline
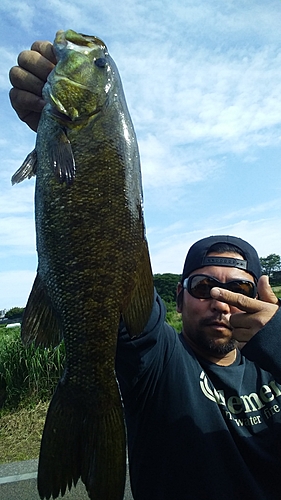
[166,285]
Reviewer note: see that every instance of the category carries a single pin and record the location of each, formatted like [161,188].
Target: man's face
[206,325]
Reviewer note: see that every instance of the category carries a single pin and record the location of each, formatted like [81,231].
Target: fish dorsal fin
[40,322]
[62,159]
[27,169]
[137,312]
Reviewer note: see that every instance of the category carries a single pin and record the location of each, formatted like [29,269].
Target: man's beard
[212,347]
[208,344]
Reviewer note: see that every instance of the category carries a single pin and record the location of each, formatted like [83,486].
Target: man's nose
[222,307]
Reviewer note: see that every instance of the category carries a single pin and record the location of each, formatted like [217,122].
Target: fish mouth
[60,115]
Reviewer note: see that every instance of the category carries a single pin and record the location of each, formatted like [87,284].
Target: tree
[166,285]
[14,313]
[270,264]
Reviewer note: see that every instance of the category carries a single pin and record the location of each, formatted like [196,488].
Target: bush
[15,313]
[166,286]
[173,317]
[27,372]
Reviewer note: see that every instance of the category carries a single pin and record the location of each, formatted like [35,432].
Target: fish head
[82,81]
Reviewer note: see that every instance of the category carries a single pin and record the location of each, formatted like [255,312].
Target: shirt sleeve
[141,360]
[265,347]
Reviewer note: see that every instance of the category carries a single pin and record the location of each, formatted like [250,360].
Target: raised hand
[255,313]
[28,79]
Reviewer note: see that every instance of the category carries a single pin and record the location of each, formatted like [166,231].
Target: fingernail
[215,293]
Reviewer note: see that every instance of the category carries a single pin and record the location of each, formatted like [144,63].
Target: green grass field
[28,377]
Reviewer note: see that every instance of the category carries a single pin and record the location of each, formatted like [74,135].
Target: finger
[265,291]
[245,325]
[35,63]
[23,102]
[241,321]
[241,324]
[242,335]
[237,300]
[23,80]
[46,49]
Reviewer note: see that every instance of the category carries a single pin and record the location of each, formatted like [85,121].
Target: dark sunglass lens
[243,287]
[201,286]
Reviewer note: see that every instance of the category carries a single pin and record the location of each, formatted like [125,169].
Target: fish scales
[93,263]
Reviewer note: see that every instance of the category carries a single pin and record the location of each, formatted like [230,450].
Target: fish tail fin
[77,442]
[104,474]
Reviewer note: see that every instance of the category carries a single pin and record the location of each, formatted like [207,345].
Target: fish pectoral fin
[40,323]
[62,159]
[27,169]
[137,312]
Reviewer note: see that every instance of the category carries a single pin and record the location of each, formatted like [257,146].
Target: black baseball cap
[197,256]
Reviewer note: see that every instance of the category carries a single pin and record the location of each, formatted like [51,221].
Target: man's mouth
[219,325]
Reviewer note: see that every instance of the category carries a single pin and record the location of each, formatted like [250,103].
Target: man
[203,417]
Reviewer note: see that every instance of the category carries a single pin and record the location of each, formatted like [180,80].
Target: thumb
[265,291]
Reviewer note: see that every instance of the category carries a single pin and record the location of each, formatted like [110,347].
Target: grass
[27,373]
[277,290]
[28,377]
[173,317]
[21,431]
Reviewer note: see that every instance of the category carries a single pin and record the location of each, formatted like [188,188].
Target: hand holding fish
[256,313]
[28,79]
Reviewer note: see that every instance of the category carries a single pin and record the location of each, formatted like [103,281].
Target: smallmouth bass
[93,263]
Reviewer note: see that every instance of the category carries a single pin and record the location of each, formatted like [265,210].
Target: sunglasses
[200,285]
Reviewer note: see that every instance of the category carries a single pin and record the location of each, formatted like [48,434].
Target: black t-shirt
[197,430]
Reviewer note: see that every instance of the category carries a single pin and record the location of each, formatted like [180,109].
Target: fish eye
[100,62]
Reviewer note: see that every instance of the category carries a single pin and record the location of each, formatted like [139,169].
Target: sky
[203,83]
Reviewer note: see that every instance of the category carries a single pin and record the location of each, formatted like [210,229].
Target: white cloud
[21,12]
[17,200]
[229,99]
[261,208]
[15,288]
[202,81]
[159,168]
[8,59]
[17,233]
[169,254]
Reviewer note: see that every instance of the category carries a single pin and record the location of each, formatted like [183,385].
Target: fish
[94,266]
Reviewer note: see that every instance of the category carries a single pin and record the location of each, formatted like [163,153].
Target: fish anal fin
[40,322]
[62,159]
[27,169]
[137,312]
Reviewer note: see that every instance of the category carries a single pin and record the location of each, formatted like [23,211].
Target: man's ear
[179,297]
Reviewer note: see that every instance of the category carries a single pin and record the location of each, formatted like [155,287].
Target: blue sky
[203,84]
